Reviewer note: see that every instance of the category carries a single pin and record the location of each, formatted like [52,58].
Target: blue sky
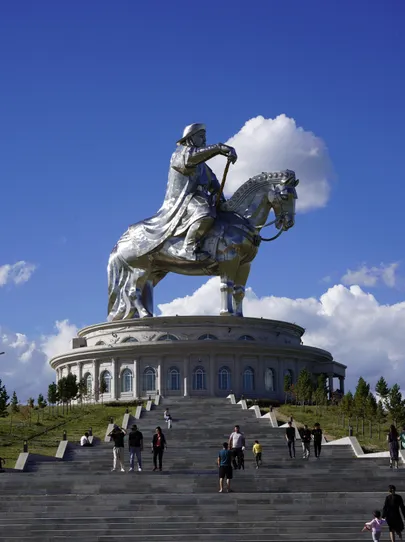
[95,94]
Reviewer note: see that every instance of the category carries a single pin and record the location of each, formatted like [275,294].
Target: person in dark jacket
[117,436]
[393,441]
[158,446]
[391,512]
[306,437]
[290,438]
[135,443]
[317,436]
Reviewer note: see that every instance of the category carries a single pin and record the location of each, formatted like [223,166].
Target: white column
[159,377]
[80,367]
[114,380]
[69,369]
[186,376]
[330,384]
[96,377]
[135,380]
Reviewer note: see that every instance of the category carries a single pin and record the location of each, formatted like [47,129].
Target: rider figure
[198,183]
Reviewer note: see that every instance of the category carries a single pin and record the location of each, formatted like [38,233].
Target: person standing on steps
[158,446]
[135,442]
[306,438]
[391,512]
[117,436]
[257,451]
[236,444]
[290,438]
[393,442]
[317,435]
[402,438]
[225,467]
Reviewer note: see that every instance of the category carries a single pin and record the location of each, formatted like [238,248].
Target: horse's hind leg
[239,288]
[140,279]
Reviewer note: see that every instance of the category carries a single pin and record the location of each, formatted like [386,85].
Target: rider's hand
[229,152]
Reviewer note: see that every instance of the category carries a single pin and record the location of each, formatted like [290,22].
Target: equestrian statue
[196,231]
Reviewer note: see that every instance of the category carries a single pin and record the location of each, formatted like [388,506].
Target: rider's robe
[187,200]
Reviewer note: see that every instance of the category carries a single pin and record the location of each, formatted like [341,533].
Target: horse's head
[282,196]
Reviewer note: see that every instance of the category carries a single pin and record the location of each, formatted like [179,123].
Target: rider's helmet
[190,130]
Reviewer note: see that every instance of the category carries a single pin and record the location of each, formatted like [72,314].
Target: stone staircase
[79,498]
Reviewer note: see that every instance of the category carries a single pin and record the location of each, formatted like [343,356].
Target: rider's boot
[191,250]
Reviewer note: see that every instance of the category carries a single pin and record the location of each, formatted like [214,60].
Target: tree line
[67,390]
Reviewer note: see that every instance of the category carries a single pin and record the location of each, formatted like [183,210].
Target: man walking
[135,442]
[117,436]
[317,434]
[225,467]
[236,444]
[290,438]
[306,437]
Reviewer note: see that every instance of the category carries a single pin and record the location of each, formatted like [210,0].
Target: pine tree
[31,402]
[395,404]
[52,394]
[304,386]
[72,388]
[381,416]
[4,397]
[103,386]
[82,389]
[371,411]
[382,388]
[41,401]
[347,405]
[360,397]
[63,392]
[14,403]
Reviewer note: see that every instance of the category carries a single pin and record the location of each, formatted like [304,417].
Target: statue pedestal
[192,355]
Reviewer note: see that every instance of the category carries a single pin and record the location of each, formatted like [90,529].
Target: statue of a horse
[232,243]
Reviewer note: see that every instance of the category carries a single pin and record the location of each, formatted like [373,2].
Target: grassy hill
[330,418]
[43,428]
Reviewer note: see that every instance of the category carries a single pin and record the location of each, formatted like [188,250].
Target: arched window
[100,343]
[246,338]
[224,379]
[167,337]
[173,379]
[149,379]
[199,379]
[130,340]
[270,379]
[248,379]
[126,380]
[106,376]
[290,374]
[89,383]
[207,337]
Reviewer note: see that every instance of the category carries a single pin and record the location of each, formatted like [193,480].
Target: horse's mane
[251,187]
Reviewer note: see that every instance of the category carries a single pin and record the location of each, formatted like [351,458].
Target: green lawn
[331,423]
[44,428]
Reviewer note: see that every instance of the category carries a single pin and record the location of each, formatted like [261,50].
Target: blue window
[248,379]
[199,379]
[174,379]
[224,379]
[126,381]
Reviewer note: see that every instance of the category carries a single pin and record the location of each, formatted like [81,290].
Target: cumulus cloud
[372,276]
[349,322]
[274,144]
[16,273]
[24,367]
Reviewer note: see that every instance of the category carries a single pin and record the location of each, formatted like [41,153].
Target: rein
[267,239]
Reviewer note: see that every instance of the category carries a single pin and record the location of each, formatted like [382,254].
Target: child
[375,526]
[257,450]
[169,420]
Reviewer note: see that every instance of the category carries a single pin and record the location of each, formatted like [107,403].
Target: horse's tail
[116,272]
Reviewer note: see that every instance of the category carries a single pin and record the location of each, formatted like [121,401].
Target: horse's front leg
[239,289]
[226,296]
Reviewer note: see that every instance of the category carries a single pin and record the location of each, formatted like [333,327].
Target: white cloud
[24,367]
[350,323]
[53,345]
[371,276]
[274,144]
[16,273]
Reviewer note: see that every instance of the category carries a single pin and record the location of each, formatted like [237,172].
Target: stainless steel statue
[197,232]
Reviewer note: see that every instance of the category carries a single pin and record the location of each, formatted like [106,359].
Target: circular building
[192,356]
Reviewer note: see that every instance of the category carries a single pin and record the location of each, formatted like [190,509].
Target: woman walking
[392,439]
[391,512]
[158,446]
